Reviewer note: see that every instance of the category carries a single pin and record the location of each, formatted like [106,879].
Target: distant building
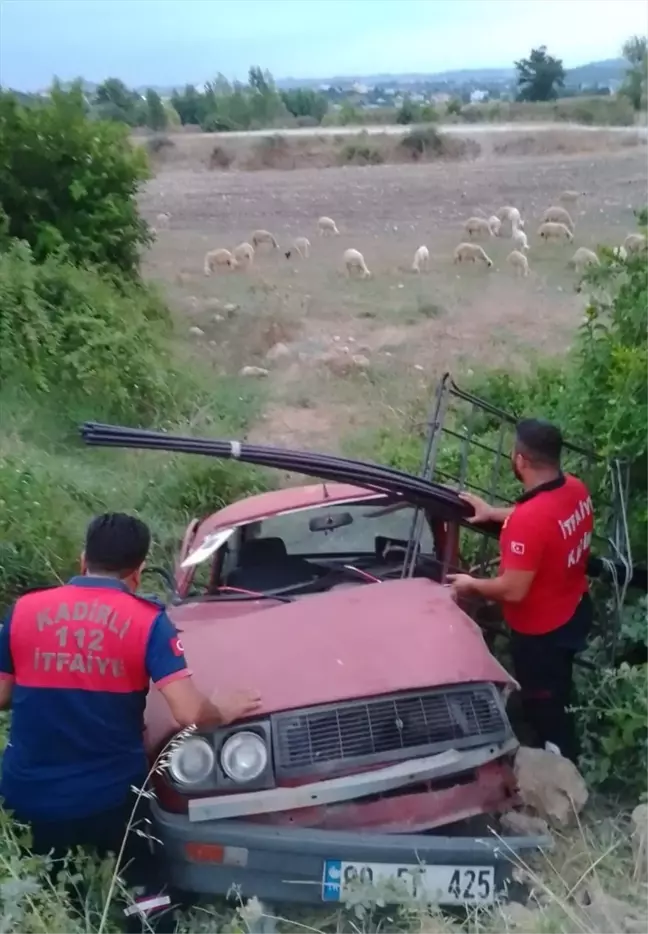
[440,98]
[478,96]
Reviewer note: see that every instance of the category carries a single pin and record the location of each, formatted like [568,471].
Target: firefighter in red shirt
[542,584]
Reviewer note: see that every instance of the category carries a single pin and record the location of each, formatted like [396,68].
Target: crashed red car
[383,729]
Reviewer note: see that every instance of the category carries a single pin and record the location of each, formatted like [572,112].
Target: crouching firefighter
[542,584]
[75,666]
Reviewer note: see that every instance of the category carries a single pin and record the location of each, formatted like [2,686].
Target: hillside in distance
[611,69]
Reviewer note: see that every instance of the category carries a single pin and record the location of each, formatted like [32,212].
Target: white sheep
[302,247]
[512,215]
[554,231]
[163,219]
[471,253]
[327,226]
[421,259]
[243,254]
[477,227]
[519,262]
[558,215]
[354,261]
[520,239]
[263,236]
[634,243]
[582,258]
[495,225]
[217,258]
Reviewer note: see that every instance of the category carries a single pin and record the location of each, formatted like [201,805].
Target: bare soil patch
[409,328]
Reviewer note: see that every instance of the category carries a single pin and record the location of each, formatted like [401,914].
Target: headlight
[244,756]
[192,761]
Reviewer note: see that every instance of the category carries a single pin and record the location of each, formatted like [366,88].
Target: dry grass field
[403,329]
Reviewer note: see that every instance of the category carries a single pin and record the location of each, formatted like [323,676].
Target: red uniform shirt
[549,532]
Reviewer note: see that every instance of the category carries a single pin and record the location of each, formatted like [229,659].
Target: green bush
[69,182]
[361,153]
[78,334]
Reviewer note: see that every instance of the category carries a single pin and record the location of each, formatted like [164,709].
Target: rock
[550,785]
[196,332]
[519,822]
[360,361]
[344,364]
[278,352]
[230,309]
[417,366]
[604,912]
[213,304]
[257,371]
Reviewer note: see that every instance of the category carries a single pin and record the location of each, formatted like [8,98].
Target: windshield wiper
[241,594]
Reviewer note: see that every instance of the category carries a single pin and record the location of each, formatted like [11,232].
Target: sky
[173,42]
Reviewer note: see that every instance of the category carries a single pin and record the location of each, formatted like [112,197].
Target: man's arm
[521,555]
[6,664]
[484,512]
[167,668]
[509,587]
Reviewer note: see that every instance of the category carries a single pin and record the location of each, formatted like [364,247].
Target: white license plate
[393,882]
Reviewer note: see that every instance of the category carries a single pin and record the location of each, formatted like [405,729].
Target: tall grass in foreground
[587,884]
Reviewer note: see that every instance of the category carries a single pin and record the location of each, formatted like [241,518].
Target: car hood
[355,642]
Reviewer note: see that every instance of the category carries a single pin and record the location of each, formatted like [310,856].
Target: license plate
[394,882]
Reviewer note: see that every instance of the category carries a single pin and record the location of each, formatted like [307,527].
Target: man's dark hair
[539,441]
[116,543]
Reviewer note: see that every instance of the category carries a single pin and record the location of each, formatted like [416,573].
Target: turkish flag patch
[177,647]
[517,548]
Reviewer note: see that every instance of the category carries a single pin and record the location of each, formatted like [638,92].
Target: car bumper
[287,864]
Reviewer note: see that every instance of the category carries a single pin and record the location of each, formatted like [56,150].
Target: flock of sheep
[556,225]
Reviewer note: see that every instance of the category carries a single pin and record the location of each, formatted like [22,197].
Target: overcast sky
[171,42]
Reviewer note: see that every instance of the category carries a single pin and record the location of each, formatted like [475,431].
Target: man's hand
[237,705]
[483,510]
[462,585]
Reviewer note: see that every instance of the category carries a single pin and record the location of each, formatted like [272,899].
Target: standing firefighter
[542,584]
[75,666]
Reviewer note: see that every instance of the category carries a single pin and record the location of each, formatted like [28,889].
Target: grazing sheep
[520,239]
[554,231]
[512,215]
[163,219]
[477,227]
[354,261]
[570,197]
[421,259]
[634,243]
[218,258]
[582,258]
[558,215]
[243,254]
[327,226]
[263,236]
[302,246]
[495,225]
[471,253]
[519,262]
[620,252]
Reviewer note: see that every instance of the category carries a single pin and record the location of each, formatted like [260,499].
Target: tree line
[223,105]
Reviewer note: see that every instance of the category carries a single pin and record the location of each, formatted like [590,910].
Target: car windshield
[311,550]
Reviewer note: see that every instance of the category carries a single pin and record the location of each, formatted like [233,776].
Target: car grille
[387,729]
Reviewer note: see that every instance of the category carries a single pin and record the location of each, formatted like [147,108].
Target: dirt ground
[356,350]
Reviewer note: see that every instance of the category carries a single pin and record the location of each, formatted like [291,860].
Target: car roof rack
[467,448]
